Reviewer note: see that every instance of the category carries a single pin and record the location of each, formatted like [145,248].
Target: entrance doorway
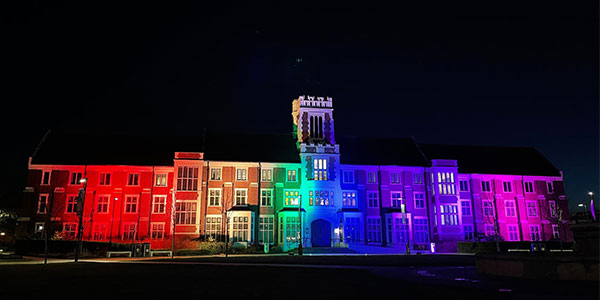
[321,233]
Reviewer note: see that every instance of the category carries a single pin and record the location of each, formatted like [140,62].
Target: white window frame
[510,211]
[293,201]
[156,204]
[510,232]
[471,235]
[102,179]
[371,199]
[269,174]
[125,204]
[490,207]
[397,179]
[269,196]
[465,185]
[99,231]
[417,206]
[220,173]
[534,235]
[394,199]
[160,231]
[449,215]
[352,198]
[211,197]
[291,175]
[208,226]
[555,231]
[371,177]
[531,185]
[98,204]
[465,208]
[486,186]
[535,209]
[72,175]
[243,172]
[136,179]
[70,225]
[344,172]
[374,229]
[270,231]
[417,178]
[71,202]
[161,175]
[550,187]
[507,186]
[245,196]
[129,231]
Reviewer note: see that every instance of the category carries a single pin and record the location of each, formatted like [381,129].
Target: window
[373,199]
[419,200]
[374,229]
[371,177]
[349,199]
[550,187]
[509,207]
[485,186]
[160,180]
[490,230]
[395,178]
[75,178]
[321,198]
[241,196]
[241,174]
[417,178]
[397,199]
[291,197]
[265,230]
[529,187]
[292,229]
[159,205]
[185,213]
[157,231]
[468,232]
[104,179]
[39,227]
[214,197]
[488,208]
[213,226]
[71,204]
[348,176]
[291,175]
[129,231]
[400,230]
[131,204]
[531,209]
[215,174]
[99,232]
[534,232]
[352,230]
[513,233]
[133,179]
[465,206]
[187,178]
[42,204]
[266,197]
[446,183]
[320,168]
[552,209]
[449,215]
[464,186]
[266,175]
[45,178]
[102,204]
[420,231]
[555,231]
[507,187]
[70,230]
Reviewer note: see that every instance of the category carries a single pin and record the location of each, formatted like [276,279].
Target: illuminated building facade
[340,191]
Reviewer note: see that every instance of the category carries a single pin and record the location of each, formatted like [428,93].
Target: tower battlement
[312,101]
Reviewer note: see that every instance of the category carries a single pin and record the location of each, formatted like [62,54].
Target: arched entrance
[320,233]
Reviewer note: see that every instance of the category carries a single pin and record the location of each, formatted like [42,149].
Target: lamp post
[300,225]
[80,206]
[584,210]
[404,221]
[591,206]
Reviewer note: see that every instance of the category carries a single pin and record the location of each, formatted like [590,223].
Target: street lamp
[592,205]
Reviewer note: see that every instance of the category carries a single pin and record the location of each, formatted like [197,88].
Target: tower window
[320,168]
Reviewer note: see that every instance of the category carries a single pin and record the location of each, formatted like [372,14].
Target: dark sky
[490,74]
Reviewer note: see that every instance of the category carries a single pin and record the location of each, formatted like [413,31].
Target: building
[339,191]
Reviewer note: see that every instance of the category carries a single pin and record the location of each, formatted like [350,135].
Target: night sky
[487,74]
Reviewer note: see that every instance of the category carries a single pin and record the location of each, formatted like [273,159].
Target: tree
[556,217]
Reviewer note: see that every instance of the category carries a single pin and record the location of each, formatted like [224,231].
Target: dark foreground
[246,279]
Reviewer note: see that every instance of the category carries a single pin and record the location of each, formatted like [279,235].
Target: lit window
[267,175]
[215,174]
[418,178]
[161,180]
[371,177]
[349,199]
[321,198]
[241,174]
[449,215]
[291,197]
[395,178]
[185,213]
[320,169]
[291,175]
